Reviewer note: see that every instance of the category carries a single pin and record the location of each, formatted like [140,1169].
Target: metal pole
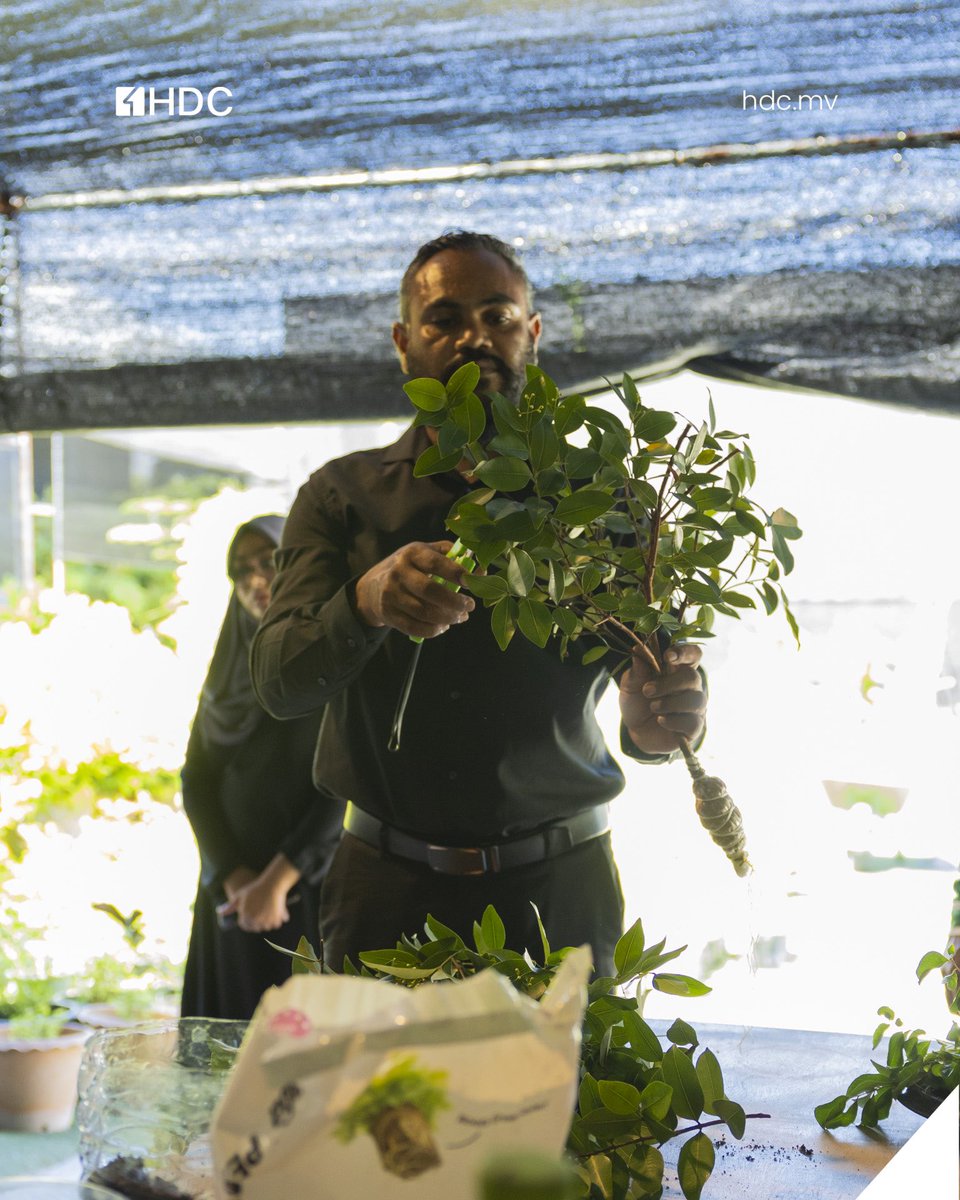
[57,496]
[27,559]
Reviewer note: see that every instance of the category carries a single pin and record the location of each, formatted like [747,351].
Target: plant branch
[698,1127]
[658,517]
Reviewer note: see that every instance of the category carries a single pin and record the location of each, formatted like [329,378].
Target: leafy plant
[635,1093]
[919,1071]
[28,989]
[613,537]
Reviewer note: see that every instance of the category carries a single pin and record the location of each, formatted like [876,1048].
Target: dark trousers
[370,899]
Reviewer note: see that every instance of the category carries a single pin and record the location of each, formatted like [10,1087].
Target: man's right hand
[401,592]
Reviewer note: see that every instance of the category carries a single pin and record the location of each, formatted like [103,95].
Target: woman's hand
[261,905]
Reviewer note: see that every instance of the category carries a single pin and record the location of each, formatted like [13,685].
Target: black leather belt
[548,842]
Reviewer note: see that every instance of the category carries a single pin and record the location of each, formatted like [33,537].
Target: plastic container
[149,1092]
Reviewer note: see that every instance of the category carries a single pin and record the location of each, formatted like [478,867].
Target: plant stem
[657,518]
[696,1128]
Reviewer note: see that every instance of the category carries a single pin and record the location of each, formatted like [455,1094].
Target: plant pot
[38,1079]
[924,1098]
[106,1015]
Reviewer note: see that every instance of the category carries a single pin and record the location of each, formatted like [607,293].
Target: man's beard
[512,382]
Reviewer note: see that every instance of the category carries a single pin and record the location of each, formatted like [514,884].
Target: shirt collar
[408,447]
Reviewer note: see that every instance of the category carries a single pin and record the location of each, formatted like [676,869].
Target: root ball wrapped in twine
[718,814]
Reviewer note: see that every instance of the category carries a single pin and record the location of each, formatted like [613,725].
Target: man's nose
[474,334]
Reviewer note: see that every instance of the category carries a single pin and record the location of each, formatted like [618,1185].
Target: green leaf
[428,394]
[786,523]
[568,622]
[680,985]
[503,621]
[782,550]
[629,950]
[827,1112]
[644,1041]
[583,506]
[555,582]
[544,445]
[645,492]
[510,444]
[469,415]
[645,1165]
[711,498]
[733,1114]
[543,933]
[738,600]
[931,961]
[488,587]
[589,1095]
[439,932]
[656,1099]
[791,619]
[863,1083]
[569,415]
[895,1050]
[397,963]
[462,383]
[505,415]
[521,572]
[534,621]
[582,461]
[700,592]
[593,655]
[682,1034]
[653,426]
[494,933]
[695,1165]
[768,595]
[433,460]
[680,1074]
[620,1098]
[504,474]
[711,1079]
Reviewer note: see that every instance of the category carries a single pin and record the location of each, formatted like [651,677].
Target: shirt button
[452,776]
[322,680]
[352,643]
[455,695]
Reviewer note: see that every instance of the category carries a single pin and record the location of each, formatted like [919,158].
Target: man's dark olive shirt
[495,743]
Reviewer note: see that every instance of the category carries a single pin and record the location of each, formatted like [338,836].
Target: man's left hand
[657,708]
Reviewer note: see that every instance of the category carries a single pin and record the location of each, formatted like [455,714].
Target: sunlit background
[841,754]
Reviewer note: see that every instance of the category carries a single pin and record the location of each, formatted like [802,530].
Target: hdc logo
[140,101]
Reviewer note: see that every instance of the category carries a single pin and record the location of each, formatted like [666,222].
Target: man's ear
[400,339]
[535,326]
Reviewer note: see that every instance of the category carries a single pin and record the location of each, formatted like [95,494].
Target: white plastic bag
[349,1087]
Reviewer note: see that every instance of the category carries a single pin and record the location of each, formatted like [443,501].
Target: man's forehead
[467,277]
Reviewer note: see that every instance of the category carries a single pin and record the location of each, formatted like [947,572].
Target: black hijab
[229,710]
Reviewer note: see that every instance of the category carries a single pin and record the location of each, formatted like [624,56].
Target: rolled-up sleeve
[310,644]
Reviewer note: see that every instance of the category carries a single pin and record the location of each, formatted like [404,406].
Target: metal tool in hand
[464,558]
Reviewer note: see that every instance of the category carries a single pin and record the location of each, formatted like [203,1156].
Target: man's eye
[500,318]
[440,323]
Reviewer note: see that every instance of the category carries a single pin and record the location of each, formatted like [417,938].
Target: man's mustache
[482,360]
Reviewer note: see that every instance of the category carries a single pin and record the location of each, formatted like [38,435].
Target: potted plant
[917,1071]
[40,1048]
[114,994]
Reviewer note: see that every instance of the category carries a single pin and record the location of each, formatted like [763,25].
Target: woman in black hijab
[264,833]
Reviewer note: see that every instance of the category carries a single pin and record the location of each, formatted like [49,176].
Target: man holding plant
[499,791]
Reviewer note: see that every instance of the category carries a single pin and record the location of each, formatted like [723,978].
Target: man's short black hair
[462,239]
